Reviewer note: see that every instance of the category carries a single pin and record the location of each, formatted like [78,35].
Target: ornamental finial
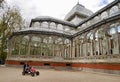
[78,2]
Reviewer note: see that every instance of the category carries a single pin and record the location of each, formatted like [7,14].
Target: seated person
[26,67]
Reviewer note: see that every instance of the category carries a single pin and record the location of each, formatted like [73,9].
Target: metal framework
[96,39]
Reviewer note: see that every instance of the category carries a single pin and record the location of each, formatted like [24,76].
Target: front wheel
[37,73]
[32,74]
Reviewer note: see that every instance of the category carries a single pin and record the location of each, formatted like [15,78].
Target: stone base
[111,68]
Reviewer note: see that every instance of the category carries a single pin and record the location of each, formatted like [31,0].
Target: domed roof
[79,10]
[52,19]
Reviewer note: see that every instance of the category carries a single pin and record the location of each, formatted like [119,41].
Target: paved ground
[12,74]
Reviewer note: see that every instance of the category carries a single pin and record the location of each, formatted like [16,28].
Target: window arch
[59,41]
[96,35]
[52,25]
[113,39]
[89,36]
[60,26]
[118,28]
[67,41]
[36,24]
[112,31]
[88,23]
[45,40]
[35,39]
[96,19]
[44,25]
[114,10]
[25,38]
[50,40]
[104,15]
[67,28]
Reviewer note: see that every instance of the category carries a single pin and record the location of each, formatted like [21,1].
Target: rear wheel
[23,73]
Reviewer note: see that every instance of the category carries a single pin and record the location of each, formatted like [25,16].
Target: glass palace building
[82,41]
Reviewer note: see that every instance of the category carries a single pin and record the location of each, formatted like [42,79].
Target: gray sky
[54,8]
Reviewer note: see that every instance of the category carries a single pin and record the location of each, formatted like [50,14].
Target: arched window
[45,40]
[83,25]
[104,15]
[35,39]
[90,36]
[67,29]
[96,35]
[50,40]
[26,38]
[96,43]
[59,41]
[60,27]
[36,24]
[114,49]
[52,25]
[114,10]
[44,25]
[118,28]
[88,23]
[81,38]
[67,41]
[112,31]
[96,19]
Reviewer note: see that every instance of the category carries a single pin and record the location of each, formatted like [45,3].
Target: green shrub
[3,56]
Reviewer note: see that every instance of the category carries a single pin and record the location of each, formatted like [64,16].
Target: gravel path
[12,74]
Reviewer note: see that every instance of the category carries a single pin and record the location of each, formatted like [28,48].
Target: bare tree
[1,2]
[10,21]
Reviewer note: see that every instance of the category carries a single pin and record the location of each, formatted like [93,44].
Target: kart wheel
[23,73]
[37,73]
[32,74]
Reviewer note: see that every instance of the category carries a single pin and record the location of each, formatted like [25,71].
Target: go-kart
[30,70]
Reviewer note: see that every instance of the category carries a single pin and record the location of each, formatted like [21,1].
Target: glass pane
[112,31]
[118,28]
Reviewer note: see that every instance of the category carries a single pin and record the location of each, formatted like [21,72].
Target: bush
[3,57]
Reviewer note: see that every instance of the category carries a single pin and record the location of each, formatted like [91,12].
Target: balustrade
[108,11]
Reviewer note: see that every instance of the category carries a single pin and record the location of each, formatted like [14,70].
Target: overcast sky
[54,8]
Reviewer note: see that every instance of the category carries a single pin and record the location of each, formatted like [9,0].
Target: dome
[52,19]
[79,10]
